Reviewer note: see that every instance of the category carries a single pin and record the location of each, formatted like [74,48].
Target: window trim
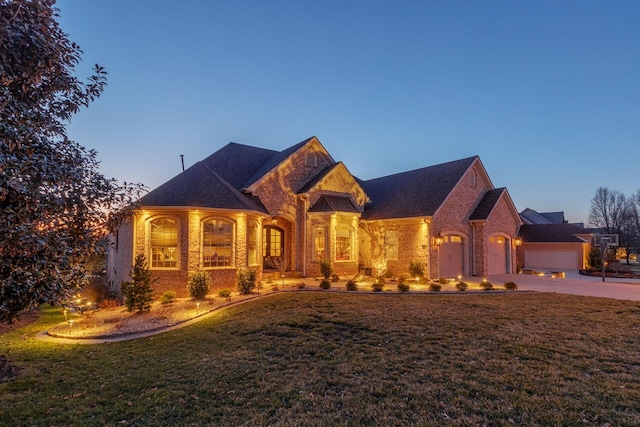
[232,245]
[335,244]
[386,245]
[149,247]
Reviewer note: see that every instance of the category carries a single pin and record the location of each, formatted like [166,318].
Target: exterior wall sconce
[439,240]
[517,241]
[274,220]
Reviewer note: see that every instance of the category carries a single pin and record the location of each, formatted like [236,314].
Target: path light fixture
[439,240]
[198,306]
[71,322]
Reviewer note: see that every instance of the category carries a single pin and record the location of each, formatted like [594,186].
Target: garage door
[561,260]
[451,257]
[497,255]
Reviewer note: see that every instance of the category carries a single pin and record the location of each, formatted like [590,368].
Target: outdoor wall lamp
[439,240]
[517,241]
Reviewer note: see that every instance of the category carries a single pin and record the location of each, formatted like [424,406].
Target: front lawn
[342,359]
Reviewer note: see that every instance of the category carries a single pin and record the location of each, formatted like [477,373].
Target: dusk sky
[547,93]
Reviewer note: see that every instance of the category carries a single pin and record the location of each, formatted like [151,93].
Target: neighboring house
[529,216]
[246,206]
[554,246]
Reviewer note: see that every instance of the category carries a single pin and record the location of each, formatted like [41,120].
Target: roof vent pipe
[182,160]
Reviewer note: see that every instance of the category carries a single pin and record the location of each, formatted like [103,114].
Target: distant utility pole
[182,160]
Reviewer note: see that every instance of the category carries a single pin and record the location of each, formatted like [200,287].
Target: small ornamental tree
[416,269]
[198,284]
[138,294]
[326,269]
[594,258]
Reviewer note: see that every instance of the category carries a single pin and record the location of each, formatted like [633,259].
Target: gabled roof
[236,163]
[486,205]
[529,216]
[554,217]
[327,203]
[558,233]
[278,158]
[316,179]
[414,193]
[200,186]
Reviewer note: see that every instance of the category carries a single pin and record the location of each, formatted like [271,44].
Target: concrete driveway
[575,284]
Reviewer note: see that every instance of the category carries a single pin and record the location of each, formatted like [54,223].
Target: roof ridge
[423,168]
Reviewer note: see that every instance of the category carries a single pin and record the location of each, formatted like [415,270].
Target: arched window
[343,243]
[217,243]
[163,243]
[473,178]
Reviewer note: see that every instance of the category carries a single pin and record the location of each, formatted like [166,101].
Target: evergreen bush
[138,294]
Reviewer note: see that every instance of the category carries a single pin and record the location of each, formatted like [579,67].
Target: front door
[272,247]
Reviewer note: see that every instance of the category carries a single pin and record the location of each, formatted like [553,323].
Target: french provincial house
[246,206]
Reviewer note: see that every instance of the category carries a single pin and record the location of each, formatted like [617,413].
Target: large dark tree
[54,203]
[607,210]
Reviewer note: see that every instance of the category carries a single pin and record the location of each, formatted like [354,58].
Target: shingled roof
[486,205]
[414,193]
[559,233]
[200,186]
[236,163]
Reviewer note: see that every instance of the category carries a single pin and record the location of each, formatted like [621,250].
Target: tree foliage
[54,203]
[138,294]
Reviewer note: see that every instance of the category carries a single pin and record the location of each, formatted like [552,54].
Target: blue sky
[547,93]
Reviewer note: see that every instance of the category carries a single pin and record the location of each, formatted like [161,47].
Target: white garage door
[497,255]
[561,260]
[451,257]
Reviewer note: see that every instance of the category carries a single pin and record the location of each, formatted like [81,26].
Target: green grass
[338,359]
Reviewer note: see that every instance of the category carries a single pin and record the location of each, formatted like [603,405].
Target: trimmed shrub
[138,294]
[326,269]
[388,274]
[351,285]
[325,284]
[403,287]
[168,297]
[442,281]
[486,285]
[416,269]
[378,286]
[224,293]
[245,280]
[403,278]
[435,287]
[198,284]
[300,285]
[462,286]
[510,286]
[335,277]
